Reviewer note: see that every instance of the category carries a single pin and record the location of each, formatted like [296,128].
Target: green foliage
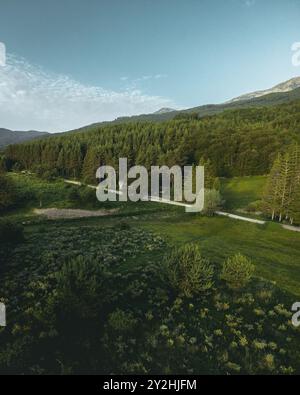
[79,284]
[121,321]
[10,232]
[236,143]
[33,191]
[294,208]
[281,197]
[188,272]
[73,194]
[216,184]
[123,225]
[237,271]
[209,173]
[274,250]
[240,192]
[3,164]
[87,196]
[98,314]
[93,299]
[186,115]
[254,207]
[213,201]
[7,193]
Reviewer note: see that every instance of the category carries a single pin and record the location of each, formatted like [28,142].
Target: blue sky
[123,57]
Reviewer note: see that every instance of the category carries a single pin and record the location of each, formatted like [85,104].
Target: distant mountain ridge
[270,99]
[164,110]
[286,86]
[8,137]
[280,94]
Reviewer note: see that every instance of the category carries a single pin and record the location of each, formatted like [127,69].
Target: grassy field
[89,295]
[239,192]
[274,250]
[34,192]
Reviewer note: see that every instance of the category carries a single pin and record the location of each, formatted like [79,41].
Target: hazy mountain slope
[262,101]
[281,93]
[210,109]
[285,94]
[286,86]
[164,110]
[8,137]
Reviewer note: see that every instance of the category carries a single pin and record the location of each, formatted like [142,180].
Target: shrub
[80,285]
[73,194]
[3,164]
[88,196]
[10,232]
[119,320]
[237,271]
[212,202]
[188,272]
[217,184]
[122,225]
[254,206]
[7,192]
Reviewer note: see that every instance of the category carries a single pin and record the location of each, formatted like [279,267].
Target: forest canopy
[238,143]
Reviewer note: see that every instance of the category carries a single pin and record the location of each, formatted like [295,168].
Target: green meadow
[102,279]
[239,192]
[274,250]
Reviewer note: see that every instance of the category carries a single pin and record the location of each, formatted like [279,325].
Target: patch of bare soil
[55,213]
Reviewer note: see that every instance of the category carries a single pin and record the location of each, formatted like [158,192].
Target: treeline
[282,195]
[238,143]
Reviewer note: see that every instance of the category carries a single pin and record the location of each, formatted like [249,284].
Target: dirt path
[233,216]
[55,213]
[93,214]
[73,182]
[292,228]
[256,221]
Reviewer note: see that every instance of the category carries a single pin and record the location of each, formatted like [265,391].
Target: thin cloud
[31,98]
[159,76]
[249,3]
[2,55]
[137,83]
[134,83]
[150,77]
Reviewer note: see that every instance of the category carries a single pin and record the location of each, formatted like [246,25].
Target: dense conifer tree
[281,197]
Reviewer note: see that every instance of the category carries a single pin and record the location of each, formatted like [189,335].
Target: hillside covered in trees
[240,142]
[8,137]
[266,100]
